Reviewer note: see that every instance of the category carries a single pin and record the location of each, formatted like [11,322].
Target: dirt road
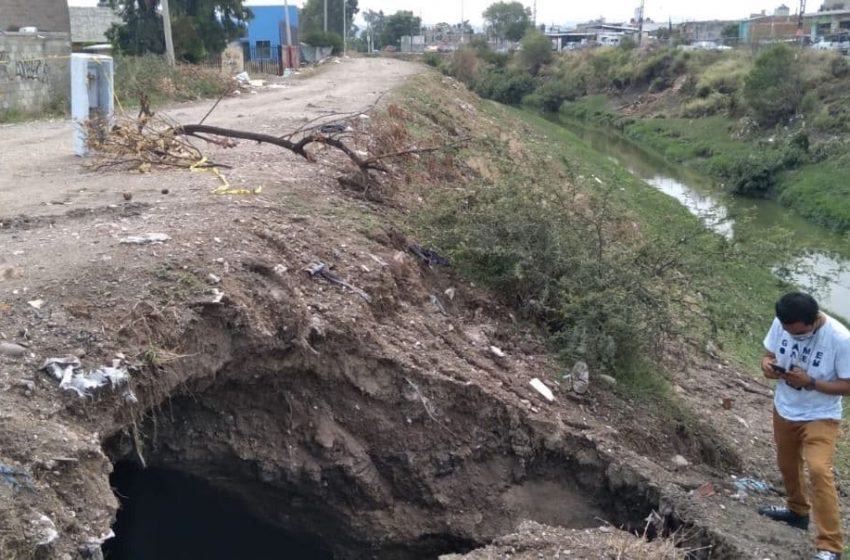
[39,174]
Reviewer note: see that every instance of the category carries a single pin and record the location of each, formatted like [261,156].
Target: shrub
[464,65]
[713,104]
[503,85]
[152,76]
[325,39]
[773,88]
[552,94]
[536,52]
[432,59]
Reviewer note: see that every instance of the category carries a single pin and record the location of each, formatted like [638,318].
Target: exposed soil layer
[386,428]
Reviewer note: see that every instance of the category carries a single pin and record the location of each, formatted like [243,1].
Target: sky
[560,12]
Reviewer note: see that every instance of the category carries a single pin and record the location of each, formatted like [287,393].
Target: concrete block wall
[34,71]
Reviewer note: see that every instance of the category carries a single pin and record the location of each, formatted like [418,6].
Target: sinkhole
[167,515]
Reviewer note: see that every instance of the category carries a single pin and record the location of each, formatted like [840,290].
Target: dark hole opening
[166,515]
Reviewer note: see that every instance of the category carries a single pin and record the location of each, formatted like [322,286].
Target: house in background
[267,32]
[90,24]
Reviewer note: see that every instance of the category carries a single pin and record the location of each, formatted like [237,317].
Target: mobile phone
[778,368]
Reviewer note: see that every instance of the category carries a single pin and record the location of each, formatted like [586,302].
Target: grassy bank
[773,124]
[612,269]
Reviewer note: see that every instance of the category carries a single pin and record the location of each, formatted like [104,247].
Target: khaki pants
[813,442]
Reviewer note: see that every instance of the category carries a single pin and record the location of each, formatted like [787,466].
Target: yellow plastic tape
[225,187]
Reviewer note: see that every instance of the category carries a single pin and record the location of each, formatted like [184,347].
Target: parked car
[838,43]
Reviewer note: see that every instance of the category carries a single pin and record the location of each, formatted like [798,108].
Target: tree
[199,27]
[774,88]
[536,51]
[507,20]
[312,16]
[376,25]
[401,23]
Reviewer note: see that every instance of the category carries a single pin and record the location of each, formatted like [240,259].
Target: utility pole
[286,20]
[640,21]
[800,21]
[462,24]
[534,17]
[344,30]
[326,16]
[166,25]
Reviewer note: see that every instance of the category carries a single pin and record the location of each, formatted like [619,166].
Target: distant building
[761,29]
[267,32]
[35,45]
[696,31]
[782,11]
[90,24]
[44,15]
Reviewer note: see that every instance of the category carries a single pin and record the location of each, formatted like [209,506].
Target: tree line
[204,27]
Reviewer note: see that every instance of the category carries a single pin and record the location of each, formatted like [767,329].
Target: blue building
[267,32]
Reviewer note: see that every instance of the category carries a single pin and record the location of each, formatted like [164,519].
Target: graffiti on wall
[35,69]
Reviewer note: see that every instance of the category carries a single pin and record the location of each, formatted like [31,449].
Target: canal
[818,259]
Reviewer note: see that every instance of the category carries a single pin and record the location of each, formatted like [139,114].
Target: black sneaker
[827,555]
[782,513]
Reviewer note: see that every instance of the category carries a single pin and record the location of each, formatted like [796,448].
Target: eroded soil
[387,428]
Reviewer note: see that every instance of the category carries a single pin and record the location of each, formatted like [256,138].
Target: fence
[267,59]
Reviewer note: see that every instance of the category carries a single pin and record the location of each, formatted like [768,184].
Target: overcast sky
[562,11]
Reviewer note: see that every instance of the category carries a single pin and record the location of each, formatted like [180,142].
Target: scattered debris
[15,478]
[144,239]
[86,383]
[218,295]
[753,485]
[726,402]
[280,269]
[427,256]
[541,388]
[13,350]
[450,293]
[37,303]
[435,301]
[46,530]
[579,378]
[335,128]
[322,270]
[213,278]
[680,462]
[496,351]
[607,379]
[705,491]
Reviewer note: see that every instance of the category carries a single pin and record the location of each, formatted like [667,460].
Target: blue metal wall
[267,23]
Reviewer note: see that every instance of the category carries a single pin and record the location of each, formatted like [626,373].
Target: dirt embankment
[386,428]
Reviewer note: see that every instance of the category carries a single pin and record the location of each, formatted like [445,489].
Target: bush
[464,65]
[773,89]
[713,104]
[324,39]
[536,52]
[552,94]
[560,258]
[152,76]
[432,59]
[503,85]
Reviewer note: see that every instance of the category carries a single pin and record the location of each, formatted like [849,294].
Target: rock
[13,350]
[607,379]
[128,196]
[496,351]
[711,349]
[680,462]
[580,375]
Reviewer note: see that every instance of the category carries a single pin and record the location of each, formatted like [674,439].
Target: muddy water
[818,261]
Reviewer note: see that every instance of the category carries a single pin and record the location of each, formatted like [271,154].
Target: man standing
[809,353]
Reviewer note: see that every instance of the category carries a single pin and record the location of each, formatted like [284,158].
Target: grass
[150,75]
[820,192]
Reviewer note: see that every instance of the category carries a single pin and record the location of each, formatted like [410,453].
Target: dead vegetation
[370,141]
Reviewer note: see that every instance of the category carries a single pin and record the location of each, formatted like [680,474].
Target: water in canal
[824,268]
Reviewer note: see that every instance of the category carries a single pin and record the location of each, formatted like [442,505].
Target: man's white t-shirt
[825,356]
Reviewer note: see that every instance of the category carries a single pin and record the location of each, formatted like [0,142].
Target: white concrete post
[92,94]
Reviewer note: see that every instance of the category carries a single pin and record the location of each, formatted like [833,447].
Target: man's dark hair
[797,307]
